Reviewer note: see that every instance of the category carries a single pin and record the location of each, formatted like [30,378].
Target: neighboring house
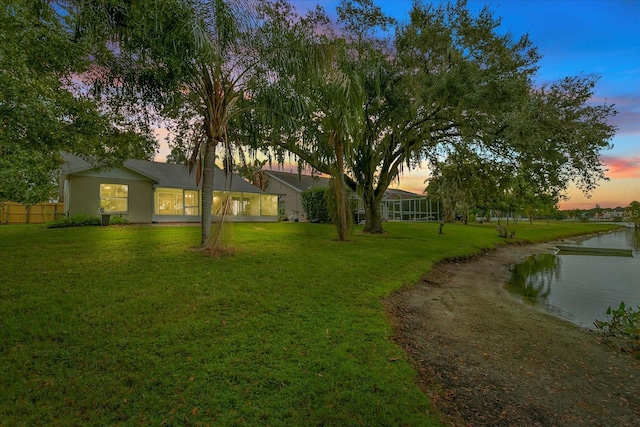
[144,192]
[289,186]
[613,214]
[396,205]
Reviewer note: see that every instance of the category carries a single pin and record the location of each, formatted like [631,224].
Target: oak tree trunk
[373,220]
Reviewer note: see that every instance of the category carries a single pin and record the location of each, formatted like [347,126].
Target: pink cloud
[622,167]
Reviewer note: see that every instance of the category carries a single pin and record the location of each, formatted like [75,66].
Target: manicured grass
[126,325]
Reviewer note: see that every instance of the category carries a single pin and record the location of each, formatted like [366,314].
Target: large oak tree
[447,81]
[443,77]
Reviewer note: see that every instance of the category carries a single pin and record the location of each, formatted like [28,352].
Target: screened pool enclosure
[400,205]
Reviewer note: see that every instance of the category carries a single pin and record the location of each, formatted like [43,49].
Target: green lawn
[126,325]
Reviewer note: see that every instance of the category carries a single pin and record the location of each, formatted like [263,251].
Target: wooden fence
[17,213]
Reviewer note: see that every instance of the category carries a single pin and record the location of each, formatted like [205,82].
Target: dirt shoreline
[485,358]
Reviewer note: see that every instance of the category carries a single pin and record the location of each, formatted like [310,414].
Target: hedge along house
[144,192]
[396,204]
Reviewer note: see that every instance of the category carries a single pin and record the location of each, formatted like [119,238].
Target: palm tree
[330,101]
[338,104]
[220,29]
[195,64]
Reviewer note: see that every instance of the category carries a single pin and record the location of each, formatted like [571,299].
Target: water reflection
[532,278]
[624,239]
[580,288]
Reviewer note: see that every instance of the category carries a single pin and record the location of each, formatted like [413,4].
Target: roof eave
[283,181]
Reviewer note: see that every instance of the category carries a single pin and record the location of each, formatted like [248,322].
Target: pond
[580,287]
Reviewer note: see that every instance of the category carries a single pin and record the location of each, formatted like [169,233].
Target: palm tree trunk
[343,214]
[208,167]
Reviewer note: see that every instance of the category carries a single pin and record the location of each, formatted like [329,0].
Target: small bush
[77,220]
[118,220]
[624,320]
[623,328]
[314,203]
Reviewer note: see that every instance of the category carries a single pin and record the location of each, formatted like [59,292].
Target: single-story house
[289,187]
[144,192]
[396,205]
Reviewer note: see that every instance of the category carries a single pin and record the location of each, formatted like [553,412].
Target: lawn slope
[127,325]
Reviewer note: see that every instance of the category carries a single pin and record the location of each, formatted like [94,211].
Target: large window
[225,201]
[175,201]
[218,199]
[114,198]
[191,202]
[245,204]
[268,205]
[169,201]
[250,204]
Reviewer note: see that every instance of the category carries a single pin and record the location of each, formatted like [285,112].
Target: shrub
[77,220]
[624,320]
[624,327]
[118,220]
[314,203]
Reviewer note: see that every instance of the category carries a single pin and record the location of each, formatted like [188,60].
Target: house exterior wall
[289,198]
[80,193]
[83,194]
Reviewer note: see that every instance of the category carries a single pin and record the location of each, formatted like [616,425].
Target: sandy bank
[485,358]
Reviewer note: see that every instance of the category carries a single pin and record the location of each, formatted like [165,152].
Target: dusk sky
[574,37]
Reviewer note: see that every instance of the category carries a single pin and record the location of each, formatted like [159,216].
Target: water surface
[580,288]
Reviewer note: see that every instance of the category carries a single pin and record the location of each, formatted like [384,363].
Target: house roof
[167,174]
[396,194]
[304,182]
[298,182]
